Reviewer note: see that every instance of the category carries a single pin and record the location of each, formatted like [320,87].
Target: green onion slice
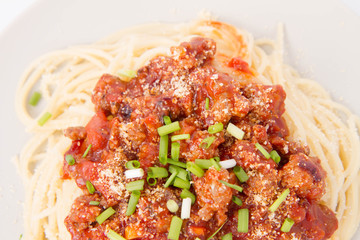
[163,149]
[185,193]
[237,200]
[135,185]
[175,151]
[280,199]
[181,173]
[90,187]
[240,174]
[132,164]
[181,183]
[44,118]
[105,215]
[195,169]
[217,127]
[166,129]
[127,73]
[70,159]
[94,203]
[175,228]
[176,163]
[203,163]
[215,164]
[213,235]
[287,225]
[207,103]
[243,220]
[35,98]
[167,120]
[227,237]
[158,172]
[262,150]
[151,180]
[172,206]
[180,137]
[171,179]
[206,143]
[112,235]
[235,131]
[275,156]
[233,186]
[86,151]
[133,201]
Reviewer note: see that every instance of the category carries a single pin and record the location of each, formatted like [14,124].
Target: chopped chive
[163,149]
[233,186]
[207,103]
[235,131]
[172,206]
[243,220]
[166,129]
[207,142]
[70,159]
[275,156]
[215,164]
[132,164]
[181,173]
[86,151]
[262,150]
[35,98]
[176,163]
[240,174]
[227,237]
[237,200]
[175,228]
[134,199]
[167,120]
[280,199]
[175,151]
[181,183]
[44,118]
[217,159]
[94,203]
[180,137]
[127,73]
[185,193]
[112,235]
[217,127]
[158,172]
[213,235]
[135,185]
[287,225]
[90,187]
[171,179]
[203,163]
[151,180]
[195,169]
[105,215]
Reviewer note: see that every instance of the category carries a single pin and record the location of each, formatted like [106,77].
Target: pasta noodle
[66,79]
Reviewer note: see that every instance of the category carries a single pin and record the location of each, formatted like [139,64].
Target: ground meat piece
[75,133]
[288,148]
[212,195]
[304,175]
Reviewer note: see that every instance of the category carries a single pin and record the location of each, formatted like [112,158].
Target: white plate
[322,41]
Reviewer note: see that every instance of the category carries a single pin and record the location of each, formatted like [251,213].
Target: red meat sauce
[125,128]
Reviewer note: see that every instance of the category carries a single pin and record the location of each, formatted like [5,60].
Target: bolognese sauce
[190,89]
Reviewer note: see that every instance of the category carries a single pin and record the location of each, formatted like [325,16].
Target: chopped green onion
[213,235]
[287,225]
[127,73]
[195,169]
[207,103]
[158,172]
[151,180]
[90,187]
[217,159]
[207,142]
[171,179]
[21,236]
[112,235]
[185,208]
[35,98]
[175,228]
[180,137]
[86,151]
[230,163]
[172,206]
[176,163]
[215,164]
[94,203]
[227,237]
[243,220]
[181,173]
[262,150]
[163,149]
[203,163]
[280,199]
[240,174]
[135,185]
[217,127]
[237,200]
[175,151]
[181,183]
[233,186]
[44,118]
[132,164]
[167,120]
[166,129]
[70,159]
[275,156]
[134,199]
[235,131]
[105,215]
[134,173]
[185,193]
